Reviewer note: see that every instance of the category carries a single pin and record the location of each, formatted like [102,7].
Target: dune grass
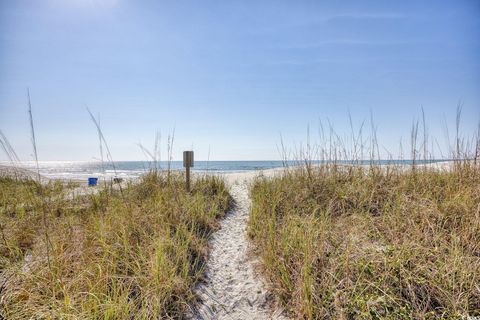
[112,255]
[353,242]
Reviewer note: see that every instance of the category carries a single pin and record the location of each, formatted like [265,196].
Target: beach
[233,283]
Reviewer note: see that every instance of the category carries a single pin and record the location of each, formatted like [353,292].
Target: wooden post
[188,178]
[187,163]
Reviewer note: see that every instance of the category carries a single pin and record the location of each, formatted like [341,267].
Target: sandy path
[233,289]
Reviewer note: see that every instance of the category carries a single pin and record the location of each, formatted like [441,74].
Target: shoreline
[22,172]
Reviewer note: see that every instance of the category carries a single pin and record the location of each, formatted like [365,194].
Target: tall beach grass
[108,260]
[343,241]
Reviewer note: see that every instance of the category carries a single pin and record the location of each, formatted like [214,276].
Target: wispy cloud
[309,21]
[354,43]
[367,16]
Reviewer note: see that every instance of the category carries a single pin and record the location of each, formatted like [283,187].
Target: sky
[231,77]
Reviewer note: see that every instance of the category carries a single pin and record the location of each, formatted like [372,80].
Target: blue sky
[231,76]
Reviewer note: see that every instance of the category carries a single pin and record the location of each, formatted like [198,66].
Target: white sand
[20,173]
[233,289]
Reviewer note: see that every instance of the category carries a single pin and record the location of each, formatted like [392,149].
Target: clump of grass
[21,206]
[347,242]
[107,260]
[343,240]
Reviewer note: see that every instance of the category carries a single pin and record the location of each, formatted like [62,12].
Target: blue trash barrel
[92,181]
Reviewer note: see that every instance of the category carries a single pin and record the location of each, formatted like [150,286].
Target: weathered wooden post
[188,163]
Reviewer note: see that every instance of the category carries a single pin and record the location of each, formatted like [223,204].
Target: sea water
[132,169]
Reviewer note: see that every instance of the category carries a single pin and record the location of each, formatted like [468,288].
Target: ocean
[79,170]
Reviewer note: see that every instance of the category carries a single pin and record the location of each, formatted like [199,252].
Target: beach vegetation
[111,255]
[365,240]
